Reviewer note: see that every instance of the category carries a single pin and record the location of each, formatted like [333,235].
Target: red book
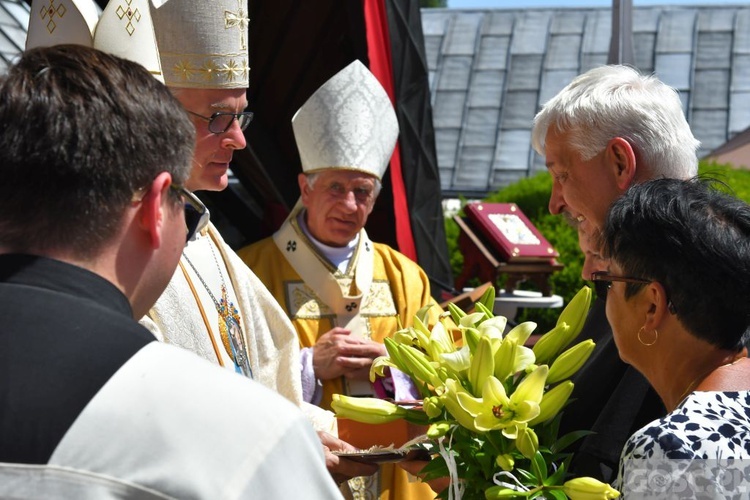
[510,232]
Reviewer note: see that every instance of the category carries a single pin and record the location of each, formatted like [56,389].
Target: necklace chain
[221,275]
[229,315]
[697,381]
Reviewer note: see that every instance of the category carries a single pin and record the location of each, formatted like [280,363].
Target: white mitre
[124,29]
[203,43]
[348,123]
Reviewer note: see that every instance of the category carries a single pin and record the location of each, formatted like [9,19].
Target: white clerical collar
[338,256]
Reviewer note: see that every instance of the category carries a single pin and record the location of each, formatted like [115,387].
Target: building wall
[492,70]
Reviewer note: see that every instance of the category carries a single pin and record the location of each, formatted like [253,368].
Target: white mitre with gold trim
[124,29]
[203,43]
[348,123]
[58,22]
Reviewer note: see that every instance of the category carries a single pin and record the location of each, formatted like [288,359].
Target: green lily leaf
[556,494]
[568,439]
[539,466]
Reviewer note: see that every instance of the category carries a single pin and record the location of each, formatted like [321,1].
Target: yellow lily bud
[432,406]
[568,326]
[482,365]
[479,307]
[438,429]
[505,359]
[494,492]
[574,314]
[366,410]
[552,402]
[488,298]
[570,361]
[527,442]
[471,338]
[588,488]
[391,346]
[418,366]
[551,343]
[505,462]
[456,312]
[422,333]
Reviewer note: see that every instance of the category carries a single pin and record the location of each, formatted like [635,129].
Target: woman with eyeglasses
[678,300]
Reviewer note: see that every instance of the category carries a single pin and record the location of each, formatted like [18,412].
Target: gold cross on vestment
[238,20]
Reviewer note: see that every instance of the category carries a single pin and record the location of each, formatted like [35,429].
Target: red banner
[379,52]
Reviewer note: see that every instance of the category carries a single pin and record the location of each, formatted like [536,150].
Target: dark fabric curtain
[418,156]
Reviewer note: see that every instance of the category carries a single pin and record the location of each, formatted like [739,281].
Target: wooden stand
[480,262]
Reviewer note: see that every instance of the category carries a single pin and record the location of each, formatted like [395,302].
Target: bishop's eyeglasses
[219,122]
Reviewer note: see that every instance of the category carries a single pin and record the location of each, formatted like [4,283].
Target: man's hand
[340,468]
[337,353]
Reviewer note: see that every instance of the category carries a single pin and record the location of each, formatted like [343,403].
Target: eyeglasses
[196,213]
[219,122]
[603,281]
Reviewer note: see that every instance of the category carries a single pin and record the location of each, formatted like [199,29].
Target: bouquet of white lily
[491,403]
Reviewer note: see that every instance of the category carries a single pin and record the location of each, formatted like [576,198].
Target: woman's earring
[656,337]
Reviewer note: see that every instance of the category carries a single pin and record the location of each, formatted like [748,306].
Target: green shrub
[532,196]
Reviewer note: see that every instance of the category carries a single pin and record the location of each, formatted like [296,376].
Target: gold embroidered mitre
[124,29]
[348,123]
[202,43]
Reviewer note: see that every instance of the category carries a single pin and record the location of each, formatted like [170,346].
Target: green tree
[433,3]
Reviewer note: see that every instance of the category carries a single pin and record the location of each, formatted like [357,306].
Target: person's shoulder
[256,251]
[391,254]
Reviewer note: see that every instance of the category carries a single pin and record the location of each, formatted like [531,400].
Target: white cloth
[168,425]
[271,340]
[269,335]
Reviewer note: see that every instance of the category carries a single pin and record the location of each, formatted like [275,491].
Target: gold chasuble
[379,288]
[320,297]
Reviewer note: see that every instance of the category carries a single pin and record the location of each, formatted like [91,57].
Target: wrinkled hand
[340,468]
[337,353]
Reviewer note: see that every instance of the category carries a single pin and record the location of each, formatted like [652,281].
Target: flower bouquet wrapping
[491,403]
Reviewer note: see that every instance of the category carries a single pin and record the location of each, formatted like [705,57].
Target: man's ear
[155,202]
[622,158]
[304,188]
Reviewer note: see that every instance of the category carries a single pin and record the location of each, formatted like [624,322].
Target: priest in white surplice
[343,292]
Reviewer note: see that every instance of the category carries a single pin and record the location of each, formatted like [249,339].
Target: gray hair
[617,101]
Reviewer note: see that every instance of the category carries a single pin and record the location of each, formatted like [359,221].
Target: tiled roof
[14,19]
[491,70]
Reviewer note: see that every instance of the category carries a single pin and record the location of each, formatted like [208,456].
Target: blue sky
[469,4]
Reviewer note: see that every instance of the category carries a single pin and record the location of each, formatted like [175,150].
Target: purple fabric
[312,388]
